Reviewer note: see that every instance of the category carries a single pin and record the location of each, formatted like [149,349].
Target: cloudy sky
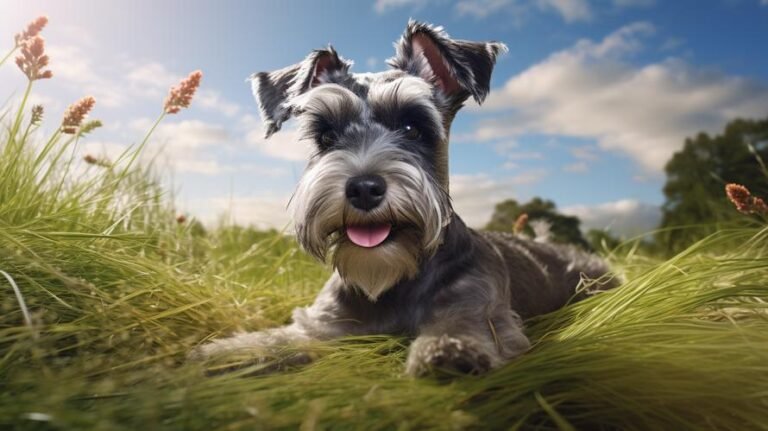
[591,101]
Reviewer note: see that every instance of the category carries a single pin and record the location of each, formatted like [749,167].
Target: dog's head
[374,195]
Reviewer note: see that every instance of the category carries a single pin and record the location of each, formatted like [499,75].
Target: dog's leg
[262,344]
[467,341]
[319,321]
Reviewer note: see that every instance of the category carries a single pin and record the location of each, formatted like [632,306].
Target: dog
[374,202]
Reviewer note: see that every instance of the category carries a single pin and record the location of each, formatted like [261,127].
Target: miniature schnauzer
[374,201]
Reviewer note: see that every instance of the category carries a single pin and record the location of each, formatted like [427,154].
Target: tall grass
[119,291]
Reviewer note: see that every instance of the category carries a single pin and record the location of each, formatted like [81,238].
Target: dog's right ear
[459,68]
[275,91]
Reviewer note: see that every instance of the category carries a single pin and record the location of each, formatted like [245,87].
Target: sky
[592,99]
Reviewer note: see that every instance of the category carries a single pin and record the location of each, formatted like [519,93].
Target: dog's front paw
[247,347]
[262,352]
[450,354]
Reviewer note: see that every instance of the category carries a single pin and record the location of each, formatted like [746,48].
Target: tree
[697,175]
[563,228]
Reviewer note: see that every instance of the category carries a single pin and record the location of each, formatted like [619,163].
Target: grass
[118,292]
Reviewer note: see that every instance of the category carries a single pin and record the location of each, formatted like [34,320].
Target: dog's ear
[459,68]
[275,91]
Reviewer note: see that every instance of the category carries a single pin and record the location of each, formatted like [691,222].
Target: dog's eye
[411,132]
[327,138]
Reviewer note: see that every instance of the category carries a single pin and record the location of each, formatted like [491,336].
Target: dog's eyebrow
[334,103]
[403,91]
[390,101]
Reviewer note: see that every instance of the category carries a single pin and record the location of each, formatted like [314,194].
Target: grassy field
[118,291]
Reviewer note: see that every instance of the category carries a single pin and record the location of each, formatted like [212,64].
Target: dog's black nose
[366,192]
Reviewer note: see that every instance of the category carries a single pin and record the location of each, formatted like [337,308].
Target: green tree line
[695,203]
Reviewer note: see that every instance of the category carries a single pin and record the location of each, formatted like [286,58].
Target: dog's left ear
[276,91]
[459,68]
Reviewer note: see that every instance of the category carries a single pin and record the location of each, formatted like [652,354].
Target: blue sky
[592,99]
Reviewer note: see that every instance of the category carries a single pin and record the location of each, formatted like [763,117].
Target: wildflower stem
[73,142]
[27,129]
[759,159]
[7,56]
[141,146]
[20,112]
[47,148]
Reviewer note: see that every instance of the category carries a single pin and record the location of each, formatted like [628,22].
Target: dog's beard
[415,207]
[374,270]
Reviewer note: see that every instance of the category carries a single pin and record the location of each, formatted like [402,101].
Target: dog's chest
[400,310]
[403,308]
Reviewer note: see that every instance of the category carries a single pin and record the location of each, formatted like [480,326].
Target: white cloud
[188,146]
[117,82]
[262,171]
[671,44]
[508,150]
[382,6]
[474,197]
[262,212]
[189,135]
[585,152]
[590,91]
[150,80]
[570,10]
[483,8]
[185,146]
[102,149]
[52,106]
[284,145]
[625,217]
[213,101]
[577,168]
[764,2]
[153,80]
[72,66]
[525,155]
[528,177]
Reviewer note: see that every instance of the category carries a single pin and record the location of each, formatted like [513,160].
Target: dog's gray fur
[461,294]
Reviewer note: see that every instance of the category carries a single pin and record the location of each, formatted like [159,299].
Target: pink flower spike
[181,95]
[75,114]
[520,223]
[33,60]
[33,29]
[745,203]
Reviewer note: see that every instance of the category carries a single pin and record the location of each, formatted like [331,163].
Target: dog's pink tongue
[368,236]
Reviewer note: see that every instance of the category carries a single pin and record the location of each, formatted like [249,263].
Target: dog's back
[544,276]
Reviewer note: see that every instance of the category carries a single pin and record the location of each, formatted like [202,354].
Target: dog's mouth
[368,235]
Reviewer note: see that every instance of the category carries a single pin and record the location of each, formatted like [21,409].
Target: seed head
[744,201]
[520,223]
[33,60]
[90,126]
[33,29]
[181,219]
[37,114]
[180,96]
[74,115]
[91,160]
